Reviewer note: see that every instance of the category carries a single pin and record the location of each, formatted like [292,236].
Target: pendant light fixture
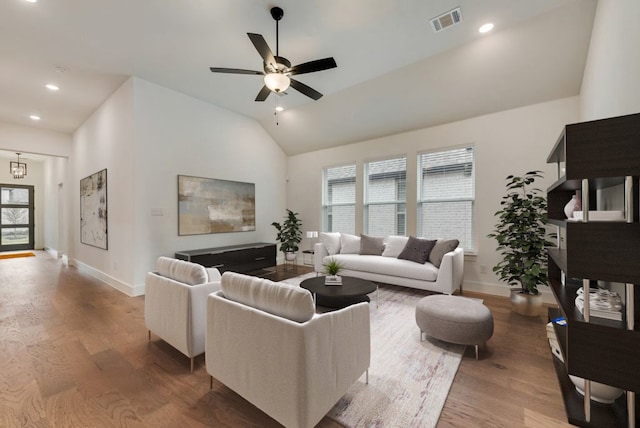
[18,169]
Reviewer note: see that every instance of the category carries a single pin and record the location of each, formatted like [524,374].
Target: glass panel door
[16,217]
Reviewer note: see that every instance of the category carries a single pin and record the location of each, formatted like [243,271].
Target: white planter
[526,304]
[289,256]
[599,392]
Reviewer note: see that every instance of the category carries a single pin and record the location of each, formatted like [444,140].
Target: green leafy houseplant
[289,232]
[521,234]
[333,266]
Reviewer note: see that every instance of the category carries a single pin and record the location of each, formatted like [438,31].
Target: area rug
[409,380]
[15,255]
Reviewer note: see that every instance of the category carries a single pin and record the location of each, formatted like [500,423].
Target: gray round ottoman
[454,319]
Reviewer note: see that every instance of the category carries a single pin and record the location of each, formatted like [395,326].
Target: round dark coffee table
[353,290]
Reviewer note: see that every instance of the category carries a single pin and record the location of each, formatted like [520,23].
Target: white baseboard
[129,290]
[503,290]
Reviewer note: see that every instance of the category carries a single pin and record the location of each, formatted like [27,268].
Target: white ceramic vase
[600,392]
[575,204]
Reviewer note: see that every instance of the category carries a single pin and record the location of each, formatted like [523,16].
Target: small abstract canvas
[208,205]
[93,210]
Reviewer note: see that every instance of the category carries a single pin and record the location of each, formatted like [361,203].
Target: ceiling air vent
[446,20]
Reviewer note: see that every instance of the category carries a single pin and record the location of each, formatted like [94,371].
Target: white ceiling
[394,72]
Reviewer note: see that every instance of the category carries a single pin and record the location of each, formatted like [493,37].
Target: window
[16,217]
[446,195]
[339,199]
[386,197]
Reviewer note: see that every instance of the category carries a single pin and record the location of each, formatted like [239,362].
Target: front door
[16,217]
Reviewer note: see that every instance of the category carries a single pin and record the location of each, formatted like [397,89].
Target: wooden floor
[74,353]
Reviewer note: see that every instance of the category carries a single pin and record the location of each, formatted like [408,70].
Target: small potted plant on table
[333,267]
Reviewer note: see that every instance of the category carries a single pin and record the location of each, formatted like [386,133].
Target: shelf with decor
[594,205]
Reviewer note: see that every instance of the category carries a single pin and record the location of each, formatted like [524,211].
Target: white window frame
[400,220]
[469,247]
[327,222]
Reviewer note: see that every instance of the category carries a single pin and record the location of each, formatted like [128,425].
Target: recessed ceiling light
[31,1]
[34,117]
[52,87]
[279,108]
[486,28]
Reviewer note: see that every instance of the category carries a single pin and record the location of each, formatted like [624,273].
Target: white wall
[146,135]
[179,135]
[25,139]
[509,142]
[610,86]
[107,140]
[56,213]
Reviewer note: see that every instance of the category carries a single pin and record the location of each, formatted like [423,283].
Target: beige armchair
[265,342]
[175,303]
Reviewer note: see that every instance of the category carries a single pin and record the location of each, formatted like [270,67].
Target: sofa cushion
[394,245]
[331,241]
[386,266]
[349,244]
[417,250]
[181,271]
[442,247]
[277,298]
[371,245]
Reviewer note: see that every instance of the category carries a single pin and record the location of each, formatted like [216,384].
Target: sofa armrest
[319,253]
[451,271]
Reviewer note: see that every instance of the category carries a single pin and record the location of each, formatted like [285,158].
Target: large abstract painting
[93,210]
[207,205]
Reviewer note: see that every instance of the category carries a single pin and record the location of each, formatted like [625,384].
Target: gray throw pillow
[417,250]
[441,248]
[371,245]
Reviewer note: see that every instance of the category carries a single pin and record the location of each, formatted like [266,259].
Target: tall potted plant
[289,234]
[522,238]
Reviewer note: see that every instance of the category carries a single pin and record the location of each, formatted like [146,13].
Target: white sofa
[388,268]
[265,342]
[175,303]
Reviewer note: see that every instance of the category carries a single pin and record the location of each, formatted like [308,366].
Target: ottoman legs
[423,337]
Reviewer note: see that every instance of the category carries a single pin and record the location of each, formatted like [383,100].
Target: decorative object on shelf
[289,234]
[208,205]
[93,210]
[600,215]
[332,267]
[600,392]
[575,204]
[18,169]
[602,304]
[521,236]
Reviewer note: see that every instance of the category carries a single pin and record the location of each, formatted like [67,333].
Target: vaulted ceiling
[394,74]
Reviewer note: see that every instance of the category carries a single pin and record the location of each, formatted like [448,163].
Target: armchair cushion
[284,300]
[182,271]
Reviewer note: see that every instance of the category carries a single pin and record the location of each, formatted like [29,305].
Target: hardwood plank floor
[74,353]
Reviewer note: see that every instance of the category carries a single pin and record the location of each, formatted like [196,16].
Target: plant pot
[600,392]
[289,256]
[526,304]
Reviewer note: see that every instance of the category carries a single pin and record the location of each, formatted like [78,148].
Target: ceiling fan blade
[306,90]
[263,48]
[312,66]
[263,94]
[234,71]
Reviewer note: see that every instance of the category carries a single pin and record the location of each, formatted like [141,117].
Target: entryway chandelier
[18,169]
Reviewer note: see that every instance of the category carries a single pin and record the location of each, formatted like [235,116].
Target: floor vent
[446,20]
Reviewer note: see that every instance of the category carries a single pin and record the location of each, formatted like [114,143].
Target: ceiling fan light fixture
[277,82]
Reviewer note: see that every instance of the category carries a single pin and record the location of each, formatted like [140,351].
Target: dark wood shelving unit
[594,156]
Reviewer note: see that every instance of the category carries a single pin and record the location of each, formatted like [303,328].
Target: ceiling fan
[278,70]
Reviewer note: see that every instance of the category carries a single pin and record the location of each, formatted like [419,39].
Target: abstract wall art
[93,210]
[208,205]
